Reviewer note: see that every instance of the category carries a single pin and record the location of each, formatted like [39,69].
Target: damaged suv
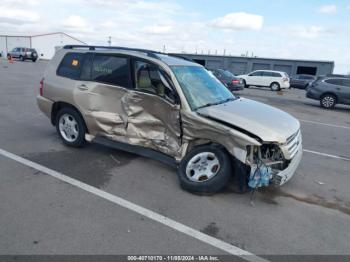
[170,108]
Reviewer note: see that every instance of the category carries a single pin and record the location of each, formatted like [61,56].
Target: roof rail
[150,53]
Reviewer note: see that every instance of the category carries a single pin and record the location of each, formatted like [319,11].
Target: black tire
[245,84]
[34,60]
[212,185]
[328,101]
[21,58]
[275,86]
[80,126]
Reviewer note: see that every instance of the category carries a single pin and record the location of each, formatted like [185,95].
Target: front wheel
[205,170]
[275,86]
[70,127]
[328,101]
[245,84]
[21,58]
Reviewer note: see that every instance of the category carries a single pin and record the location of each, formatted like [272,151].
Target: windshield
[200,87]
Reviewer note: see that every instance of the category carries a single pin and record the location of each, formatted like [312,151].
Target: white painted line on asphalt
[327,155]
[323,124]
[231,249]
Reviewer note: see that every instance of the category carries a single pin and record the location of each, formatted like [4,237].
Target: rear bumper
[285,175]
[285,85]
[45,105]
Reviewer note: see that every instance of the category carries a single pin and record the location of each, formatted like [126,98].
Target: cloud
[75,21]
[158,29]
[309,32]
[18,16]
[327,9]
[238,21]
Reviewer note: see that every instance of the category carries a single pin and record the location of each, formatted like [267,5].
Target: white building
[45,44]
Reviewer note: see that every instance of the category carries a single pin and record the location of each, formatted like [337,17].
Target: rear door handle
[83,87]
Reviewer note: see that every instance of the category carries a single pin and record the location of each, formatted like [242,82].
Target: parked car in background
[330,90]
[301,81]
[156,104]
[276,80]
[23,53]
[232,82]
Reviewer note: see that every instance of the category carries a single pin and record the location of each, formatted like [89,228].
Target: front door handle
[83,87]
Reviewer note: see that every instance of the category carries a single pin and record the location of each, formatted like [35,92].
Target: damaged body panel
[172,106]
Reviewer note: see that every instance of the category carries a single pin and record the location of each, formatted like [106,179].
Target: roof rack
[150,53]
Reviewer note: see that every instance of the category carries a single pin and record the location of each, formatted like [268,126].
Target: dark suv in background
[301,81]
[232,82]
[330,90]
[23,53]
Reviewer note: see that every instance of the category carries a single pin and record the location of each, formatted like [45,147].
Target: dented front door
[153,113]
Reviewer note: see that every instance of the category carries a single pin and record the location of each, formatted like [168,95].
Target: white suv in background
[276,80]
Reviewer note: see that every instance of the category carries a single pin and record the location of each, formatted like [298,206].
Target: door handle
[83,87]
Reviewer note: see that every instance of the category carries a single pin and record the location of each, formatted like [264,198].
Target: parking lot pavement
[44,216]
[306,216]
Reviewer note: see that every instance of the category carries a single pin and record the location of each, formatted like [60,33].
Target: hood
[264,121]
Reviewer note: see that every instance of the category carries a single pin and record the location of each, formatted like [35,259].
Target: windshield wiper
[217,103]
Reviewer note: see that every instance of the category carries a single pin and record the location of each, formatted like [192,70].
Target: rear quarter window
[70,65]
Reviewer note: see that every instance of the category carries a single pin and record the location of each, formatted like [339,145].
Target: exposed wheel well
[57,106]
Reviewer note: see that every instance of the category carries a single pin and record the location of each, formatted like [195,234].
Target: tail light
[285,79]
[41,89]
[235,81]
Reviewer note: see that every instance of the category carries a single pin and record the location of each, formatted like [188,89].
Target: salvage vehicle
[171,109]
[232,82]
[275,80]
[23,53]
[330,90]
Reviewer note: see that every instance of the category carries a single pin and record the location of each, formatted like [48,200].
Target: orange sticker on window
[75,62]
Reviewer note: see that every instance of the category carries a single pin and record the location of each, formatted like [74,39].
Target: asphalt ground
[40,214]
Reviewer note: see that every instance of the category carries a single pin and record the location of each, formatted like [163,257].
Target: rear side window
[70,66]
[112,70]
[335,81]
[272,74]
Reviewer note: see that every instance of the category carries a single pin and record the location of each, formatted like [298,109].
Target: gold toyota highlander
[171,109]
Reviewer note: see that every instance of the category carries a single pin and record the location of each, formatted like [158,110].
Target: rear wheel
[328,101]
[275,86]
[205,170]
[70,127]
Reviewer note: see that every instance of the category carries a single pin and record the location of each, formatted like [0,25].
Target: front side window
[259,73]
[111,69]
[201,88]
[70,66]
[151,79]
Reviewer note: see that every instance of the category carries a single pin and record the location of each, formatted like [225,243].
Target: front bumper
[285,175]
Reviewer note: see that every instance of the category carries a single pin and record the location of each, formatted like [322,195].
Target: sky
[308,29]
